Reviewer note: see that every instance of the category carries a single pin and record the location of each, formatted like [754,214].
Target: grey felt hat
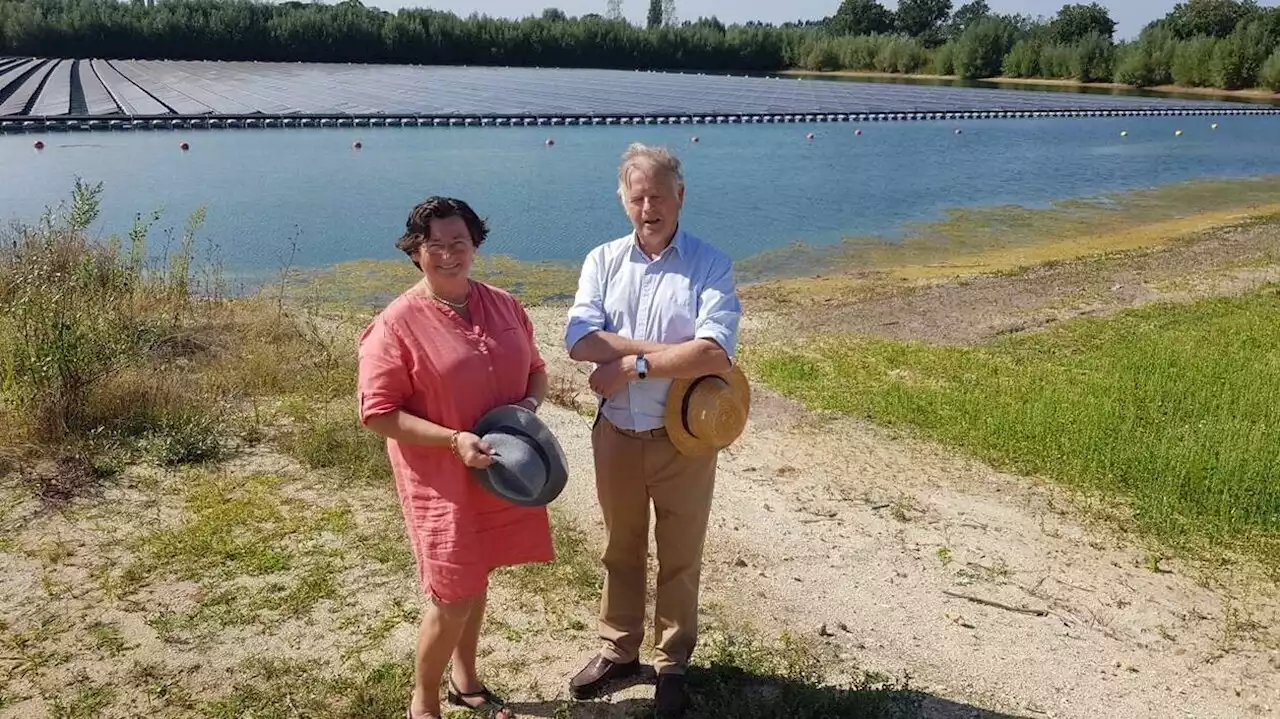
[529,467]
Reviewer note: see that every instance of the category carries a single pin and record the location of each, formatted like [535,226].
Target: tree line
[1228,44]
[1225,44]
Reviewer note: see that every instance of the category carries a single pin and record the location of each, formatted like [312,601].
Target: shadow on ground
[731,692]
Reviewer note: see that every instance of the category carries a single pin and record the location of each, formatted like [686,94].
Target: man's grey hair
[659,160]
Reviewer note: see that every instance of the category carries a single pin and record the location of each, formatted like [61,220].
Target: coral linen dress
[422,357]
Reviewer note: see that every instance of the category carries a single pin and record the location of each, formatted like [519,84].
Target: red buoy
[39,144]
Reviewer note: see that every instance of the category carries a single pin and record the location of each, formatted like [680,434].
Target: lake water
[750,187]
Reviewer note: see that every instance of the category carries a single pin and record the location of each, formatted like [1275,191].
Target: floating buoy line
[65,124]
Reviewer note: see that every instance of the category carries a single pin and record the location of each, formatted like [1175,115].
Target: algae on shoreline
[968,240]
[368,285]
[965,240]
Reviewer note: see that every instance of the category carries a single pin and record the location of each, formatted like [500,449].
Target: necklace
[455,305]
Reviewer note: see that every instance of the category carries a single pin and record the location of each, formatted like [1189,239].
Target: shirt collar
[678,243]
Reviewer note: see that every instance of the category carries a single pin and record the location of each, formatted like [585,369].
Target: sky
[1130,15]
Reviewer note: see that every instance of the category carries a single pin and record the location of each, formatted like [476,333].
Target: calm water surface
[751,187]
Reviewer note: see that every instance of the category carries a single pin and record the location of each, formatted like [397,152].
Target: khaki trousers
[632,470]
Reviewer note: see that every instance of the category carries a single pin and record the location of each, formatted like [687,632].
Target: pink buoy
[357,145]
[858,131]
[693,139]
[39,144]
[959,131]
[184,146]
[809,136]
[550,142]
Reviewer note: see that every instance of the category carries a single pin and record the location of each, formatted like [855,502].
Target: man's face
[653,203]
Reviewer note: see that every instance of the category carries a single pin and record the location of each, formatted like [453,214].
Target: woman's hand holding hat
[473,451]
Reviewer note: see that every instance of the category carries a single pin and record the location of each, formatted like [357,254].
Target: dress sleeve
[536,362]
[382,376]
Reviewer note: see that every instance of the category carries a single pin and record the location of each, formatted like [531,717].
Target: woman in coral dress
[430,365]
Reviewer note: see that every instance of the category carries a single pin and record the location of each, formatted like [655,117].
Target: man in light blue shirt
[656,305]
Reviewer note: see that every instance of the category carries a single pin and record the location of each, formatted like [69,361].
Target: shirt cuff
[576,330]
[720,335]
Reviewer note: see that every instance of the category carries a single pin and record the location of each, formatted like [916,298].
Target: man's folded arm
[585,336]
[715,341]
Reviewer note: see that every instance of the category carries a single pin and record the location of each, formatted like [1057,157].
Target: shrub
[1269,76]
[1057,61]
[1193,61]
[902,55]
[821,56]
[944,60]
[1136,68]
[1092,61]
[1023,60]
[78,311]
[982,47]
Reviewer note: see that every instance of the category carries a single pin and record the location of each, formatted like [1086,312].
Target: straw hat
[529,467]
[707,414]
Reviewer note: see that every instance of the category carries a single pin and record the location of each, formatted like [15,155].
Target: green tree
[655,14]
[981,50]
[1075,22]
[923,18]
[966,15]
[861,17]
[1214,18]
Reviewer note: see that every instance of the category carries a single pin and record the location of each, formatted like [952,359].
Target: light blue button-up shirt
[688,292]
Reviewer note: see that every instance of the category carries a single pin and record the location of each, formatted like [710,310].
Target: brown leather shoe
[598,672]
[671,700]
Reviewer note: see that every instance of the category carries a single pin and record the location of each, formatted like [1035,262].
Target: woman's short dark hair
[417,228]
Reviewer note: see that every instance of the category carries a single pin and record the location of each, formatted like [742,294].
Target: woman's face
[447,254]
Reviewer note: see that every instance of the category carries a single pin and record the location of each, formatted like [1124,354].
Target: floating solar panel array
[40,93]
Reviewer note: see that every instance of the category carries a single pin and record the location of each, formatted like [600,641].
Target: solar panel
[54,98]
[179,102]
[97,101]
[10,77]
[240,89]
[132,99]
[21,98]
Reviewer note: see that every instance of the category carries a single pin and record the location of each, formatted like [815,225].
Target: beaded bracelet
[453,444]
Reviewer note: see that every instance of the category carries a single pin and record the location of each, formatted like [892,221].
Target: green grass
[1171,407]
[737,672]
[279,689]
[89,701]
[573,579]
[259,555]
[327,437]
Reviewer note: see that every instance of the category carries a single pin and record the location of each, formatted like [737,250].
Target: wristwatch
[642,366]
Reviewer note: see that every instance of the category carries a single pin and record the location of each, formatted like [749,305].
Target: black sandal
[492,703]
